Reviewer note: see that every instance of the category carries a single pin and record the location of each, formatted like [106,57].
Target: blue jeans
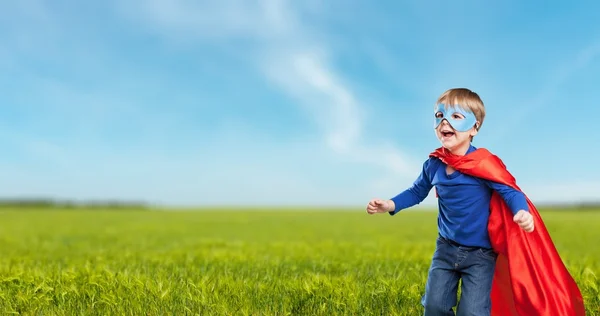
[452,262]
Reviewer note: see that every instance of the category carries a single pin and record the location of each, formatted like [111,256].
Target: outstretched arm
[415,194]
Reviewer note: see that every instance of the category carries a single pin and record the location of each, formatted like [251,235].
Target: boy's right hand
[380,206]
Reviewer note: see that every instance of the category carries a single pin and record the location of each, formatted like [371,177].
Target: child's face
[458,133]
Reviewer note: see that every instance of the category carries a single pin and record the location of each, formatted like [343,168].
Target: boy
[463,248]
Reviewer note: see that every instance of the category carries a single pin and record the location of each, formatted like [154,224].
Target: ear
[475,129]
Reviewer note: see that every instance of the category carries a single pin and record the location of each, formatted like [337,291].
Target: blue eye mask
[461,125]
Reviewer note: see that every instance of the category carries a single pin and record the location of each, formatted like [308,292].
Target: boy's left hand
[525,220]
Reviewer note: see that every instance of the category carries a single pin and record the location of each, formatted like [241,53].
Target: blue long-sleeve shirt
[463,200]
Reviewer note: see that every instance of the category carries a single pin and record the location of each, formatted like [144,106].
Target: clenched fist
[525,220]
[380,206]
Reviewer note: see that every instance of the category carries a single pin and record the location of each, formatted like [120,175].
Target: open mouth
[447,133]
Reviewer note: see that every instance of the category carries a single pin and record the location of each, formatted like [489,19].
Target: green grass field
[223,262]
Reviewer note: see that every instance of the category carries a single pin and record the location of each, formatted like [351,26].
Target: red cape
[530,277]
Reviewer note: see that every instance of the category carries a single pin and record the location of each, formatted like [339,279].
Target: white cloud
[305,76]
[291,57]
[343,116]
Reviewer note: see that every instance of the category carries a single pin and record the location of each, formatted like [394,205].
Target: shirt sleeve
[416,193]
[515,199]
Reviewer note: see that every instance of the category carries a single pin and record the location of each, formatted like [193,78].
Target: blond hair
[466,100]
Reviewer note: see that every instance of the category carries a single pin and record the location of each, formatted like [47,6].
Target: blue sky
[275,102]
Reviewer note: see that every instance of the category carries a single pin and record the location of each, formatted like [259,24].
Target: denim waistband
[455,244]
